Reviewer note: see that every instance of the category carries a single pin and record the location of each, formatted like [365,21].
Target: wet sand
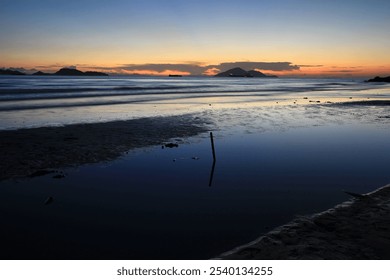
[30,152]
[366,103]
[356,229]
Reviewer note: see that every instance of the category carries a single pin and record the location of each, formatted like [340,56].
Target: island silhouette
[75,72]
[62,72]
[379,80]
[10,72]
[239,72]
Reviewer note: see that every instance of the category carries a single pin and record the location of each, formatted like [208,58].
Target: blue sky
[111,33]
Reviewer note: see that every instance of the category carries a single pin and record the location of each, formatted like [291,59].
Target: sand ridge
[356,229]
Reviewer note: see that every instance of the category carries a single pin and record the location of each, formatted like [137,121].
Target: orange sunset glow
[322,40]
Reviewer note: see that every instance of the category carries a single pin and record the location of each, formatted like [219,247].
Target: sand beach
[356,229]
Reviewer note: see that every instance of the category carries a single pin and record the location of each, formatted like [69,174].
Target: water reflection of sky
[32,101]
[156,203]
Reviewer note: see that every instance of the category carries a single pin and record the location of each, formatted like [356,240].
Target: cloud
[186,68]
[246,65]
[343,71]
[211,71]
[57,66]
[153,72]
[309,66]
[197,68]
[339,69]
[193,69]
[23,70]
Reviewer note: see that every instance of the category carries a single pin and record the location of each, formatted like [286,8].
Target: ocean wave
[89,89]
[10,105]
[52,93]
[124,93]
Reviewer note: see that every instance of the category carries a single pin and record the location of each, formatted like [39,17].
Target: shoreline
[355,229]
[27,152]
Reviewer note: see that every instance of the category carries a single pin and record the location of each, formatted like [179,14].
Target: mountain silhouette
[10,72]
[69,72]
[94,73]
[234,72]
[40,73]
[239,72]
[380,79]
[255,73]
[75,72]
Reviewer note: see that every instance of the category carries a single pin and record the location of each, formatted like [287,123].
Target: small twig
[212,145]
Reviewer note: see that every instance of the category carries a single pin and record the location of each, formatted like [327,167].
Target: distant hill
[40,73]
[94,73]
[10,72]
[380,79]
[234,72]
[61,72]
[258,74]
[239,72]
[254,73]
[75,72]
[69,72]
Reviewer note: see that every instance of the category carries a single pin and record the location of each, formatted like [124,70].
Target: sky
[283,37]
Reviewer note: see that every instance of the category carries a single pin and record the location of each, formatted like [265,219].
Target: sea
[284,148]
[33,101]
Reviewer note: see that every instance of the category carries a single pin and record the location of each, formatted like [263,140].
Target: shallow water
[273,163]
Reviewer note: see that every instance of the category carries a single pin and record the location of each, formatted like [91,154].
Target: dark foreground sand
[356,229]
[29,152]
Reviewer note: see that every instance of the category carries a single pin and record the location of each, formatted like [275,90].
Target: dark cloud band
[197,69]
[191,68]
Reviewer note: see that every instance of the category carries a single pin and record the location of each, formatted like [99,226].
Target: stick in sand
[214,159]
[212,145]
